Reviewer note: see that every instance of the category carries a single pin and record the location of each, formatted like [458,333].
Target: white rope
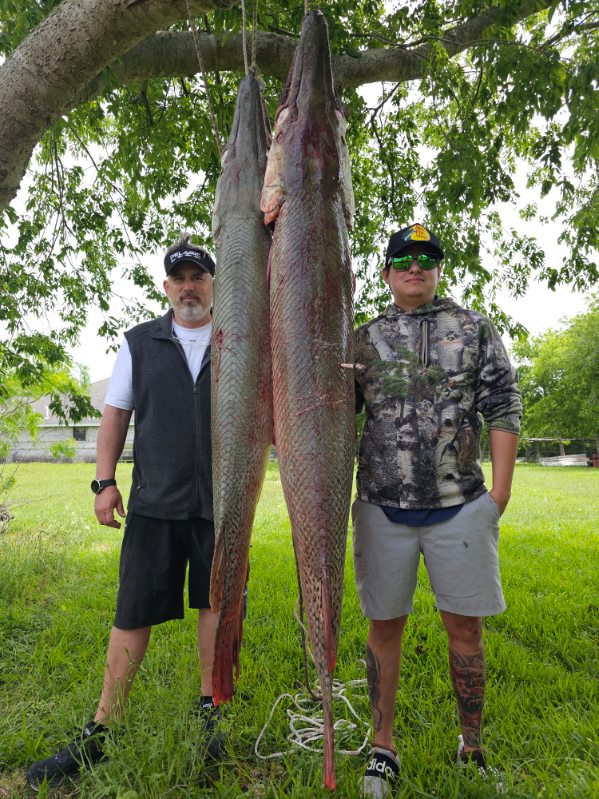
[306,725]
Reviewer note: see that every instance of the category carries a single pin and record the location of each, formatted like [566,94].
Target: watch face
[100,485]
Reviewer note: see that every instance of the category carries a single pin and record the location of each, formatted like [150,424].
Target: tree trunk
[69,48]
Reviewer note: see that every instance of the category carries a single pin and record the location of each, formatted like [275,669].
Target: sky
[539,310]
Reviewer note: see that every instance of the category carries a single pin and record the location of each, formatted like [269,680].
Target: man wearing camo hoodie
[427,370]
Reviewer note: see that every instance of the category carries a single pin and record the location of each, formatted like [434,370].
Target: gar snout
[311,85]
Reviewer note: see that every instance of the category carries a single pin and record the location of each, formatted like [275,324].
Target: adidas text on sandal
[381,774]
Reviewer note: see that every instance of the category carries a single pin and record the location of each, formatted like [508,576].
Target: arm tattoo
[468,674]
[373,679]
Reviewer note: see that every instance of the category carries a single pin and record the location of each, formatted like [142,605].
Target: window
[79,433]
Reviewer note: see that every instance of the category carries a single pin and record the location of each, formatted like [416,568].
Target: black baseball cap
[188,253]
[414,234]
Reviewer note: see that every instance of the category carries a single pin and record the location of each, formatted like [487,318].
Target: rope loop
[306,723]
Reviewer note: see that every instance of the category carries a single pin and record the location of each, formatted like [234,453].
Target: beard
[191,313]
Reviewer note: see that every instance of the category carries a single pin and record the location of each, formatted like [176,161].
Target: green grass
[58,577]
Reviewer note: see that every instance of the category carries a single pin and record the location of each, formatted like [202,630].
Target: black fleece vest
[172,463]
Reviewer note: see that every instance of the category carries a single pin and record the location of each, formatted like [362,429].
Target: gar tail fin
[217,574]
[229,634]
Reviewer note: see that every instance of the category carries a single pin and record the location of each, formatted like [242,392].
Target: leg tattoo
[468,674]
[373,678]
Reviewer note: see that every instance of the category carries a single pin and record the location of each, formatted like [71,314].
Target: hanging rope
[243,40]
[213,120]
[298,613]
[255,28]
[306,9]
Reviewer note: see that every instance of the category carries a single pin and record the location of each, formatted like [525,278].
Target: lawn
[58,576]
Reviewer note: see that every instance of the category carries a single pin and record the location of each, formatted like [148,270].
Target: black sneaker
[210,717]
[381,774]
[82,752]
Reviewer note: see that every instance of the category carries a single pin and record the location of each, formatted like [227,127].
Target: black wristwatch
[100,485]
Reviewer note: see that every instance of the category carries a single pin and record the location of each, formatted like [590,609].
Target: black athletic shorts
[154,558]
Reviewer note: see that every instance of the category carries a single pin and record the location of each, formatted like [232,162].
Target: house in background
[53,431]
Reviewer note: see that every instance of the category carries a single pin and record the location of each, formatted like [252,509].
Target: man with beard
[162,372]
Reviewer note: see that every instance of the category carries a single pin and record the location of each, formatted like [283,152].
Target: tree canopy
[559,379]
[105,111]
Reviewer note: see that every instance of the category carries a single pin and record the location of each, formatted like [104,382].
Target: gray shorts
[460,556]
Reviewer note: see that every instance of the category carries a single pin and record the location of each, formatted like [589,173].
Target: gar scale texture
[307,195]
[241,370]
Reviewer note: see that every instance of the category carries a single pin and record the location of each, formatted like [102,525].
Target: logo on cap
[188,254]
[417,233]
[185,255]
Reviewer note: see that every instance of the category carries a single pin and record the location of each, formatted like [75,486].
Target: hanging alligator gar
[307,195]
[241,371]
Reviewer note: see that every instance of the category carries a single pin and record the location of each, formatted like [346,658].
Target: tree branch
[86,46]
[72,45]
[172,54]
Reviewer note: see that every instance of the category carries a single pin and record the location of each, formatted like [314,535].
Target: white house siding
[52,431]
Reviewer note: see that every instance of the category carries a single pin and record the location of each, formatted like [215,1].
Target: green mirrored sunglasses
[404,262]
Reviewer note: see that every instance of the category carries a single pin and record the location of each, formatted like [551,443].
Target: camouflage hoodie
[424,377]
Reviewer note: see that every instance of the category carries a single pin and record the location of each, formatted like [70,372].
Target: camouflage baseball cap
[414,234]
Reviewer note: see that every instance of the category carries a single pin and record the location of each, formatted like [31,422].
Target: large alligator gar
[241,370]
[307,195]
